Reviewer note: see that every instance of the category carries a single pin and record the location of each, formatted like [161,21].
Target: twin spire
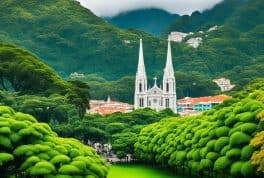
[168,71]
[141,65]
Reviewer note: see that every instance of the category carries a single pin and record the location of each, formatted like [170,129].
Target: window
[140,87]
[141,102]
[149,103]
[167,87]
[167,103]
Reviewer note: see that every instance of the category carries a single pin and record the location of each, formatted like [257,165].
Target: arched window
[141,102]
[167,87]
[140,87]
[167,103]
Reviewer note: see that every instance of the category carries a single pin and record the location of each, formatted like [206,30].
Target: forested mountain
[218,15]
[71,38]
[29,85]
[152,21]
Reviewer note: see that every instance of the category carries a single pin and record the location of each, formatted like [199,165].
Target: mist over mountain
[217,15]
[152,21]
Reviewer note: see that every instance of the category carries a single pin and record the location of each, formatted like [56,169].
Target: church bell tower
[140,100]
[169,83]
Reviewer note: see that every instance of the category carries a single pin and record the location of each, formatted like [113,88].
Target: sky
[114,7]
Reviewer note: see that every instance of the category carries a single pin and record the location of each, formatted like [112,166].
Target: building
[177,36]
[76,75]
[108,107]
[197,105]
[156,97]
[224,84]
[194,42]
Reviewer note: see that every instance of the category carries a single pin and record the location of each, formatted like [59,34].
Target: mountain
[71,38]
[218,15]
[26,74]
[152,21]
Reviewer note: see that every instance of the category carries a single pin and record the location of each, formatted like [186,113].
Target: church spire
[141,65]
[169,71]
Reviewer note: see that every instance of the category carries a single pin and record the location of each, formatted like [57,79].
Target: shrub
[233,153]
[222,131]
[180,157]
[210,145]
[42,168]
[231,120]
[222,163]
[5,157]
[248,169]
[196,155]
[224,150]
[246,117]
[206,163]
[220,143]
[247,152]
[248,128]
[236,168]
[60,159]
[238,139]
[212,156]
[69,169]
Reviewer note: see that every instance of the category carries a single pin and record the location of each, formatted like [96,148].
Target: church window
[140,87]
[149,103]
[167,103]
[141,102]
[155,101]
[167,87]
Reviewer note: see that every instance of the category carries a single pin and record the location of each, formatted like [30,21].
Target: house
[177,36]
[196,105]
[224,84]
[108,107]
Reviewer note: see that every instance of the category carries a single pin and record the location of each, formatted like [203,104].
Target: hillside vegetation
[30,148]
[153,21]
[24,73]
[218,15]
[217,141]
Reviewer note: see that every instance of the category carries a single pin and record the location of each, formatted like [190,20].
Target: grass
[137,171]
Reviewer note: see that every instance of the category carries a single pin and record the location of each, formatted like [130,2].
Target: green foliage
[23,72]
[238,139]
[5,157]
[246,152]
[233,153]
[236,168]
[40,152]
[222,163]
[179,142]
[152,20]
[81,36]
[222,131]
[247,169]
[220,143]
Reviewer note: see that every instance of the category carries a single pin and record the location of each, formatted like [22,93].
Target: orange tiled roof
[207,99]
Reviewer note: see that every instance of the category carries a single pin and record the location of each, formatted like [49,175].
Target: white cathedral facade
[157,98]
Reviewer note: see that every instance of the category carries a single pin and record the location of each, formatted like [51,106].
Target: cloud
[113,7]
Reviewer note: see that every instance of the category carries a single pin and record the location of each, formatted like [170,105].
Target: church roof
[155,90]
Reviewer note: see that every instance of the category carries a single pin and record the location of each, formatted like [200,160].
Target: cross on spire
[155,80]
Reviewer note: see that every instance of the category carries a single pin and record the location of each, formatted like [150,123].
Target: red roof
[207,99]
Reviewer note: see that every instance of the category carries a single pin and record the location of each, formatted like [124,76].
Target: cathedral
[157,98]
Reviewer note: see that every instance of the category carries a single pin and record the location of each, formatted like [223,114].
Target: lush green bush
[32,149]
[180,142]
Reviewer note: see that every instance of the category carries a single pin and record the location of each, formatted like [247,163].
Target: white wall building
[224,84]
[177,36]
[155,97]
[194,42]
